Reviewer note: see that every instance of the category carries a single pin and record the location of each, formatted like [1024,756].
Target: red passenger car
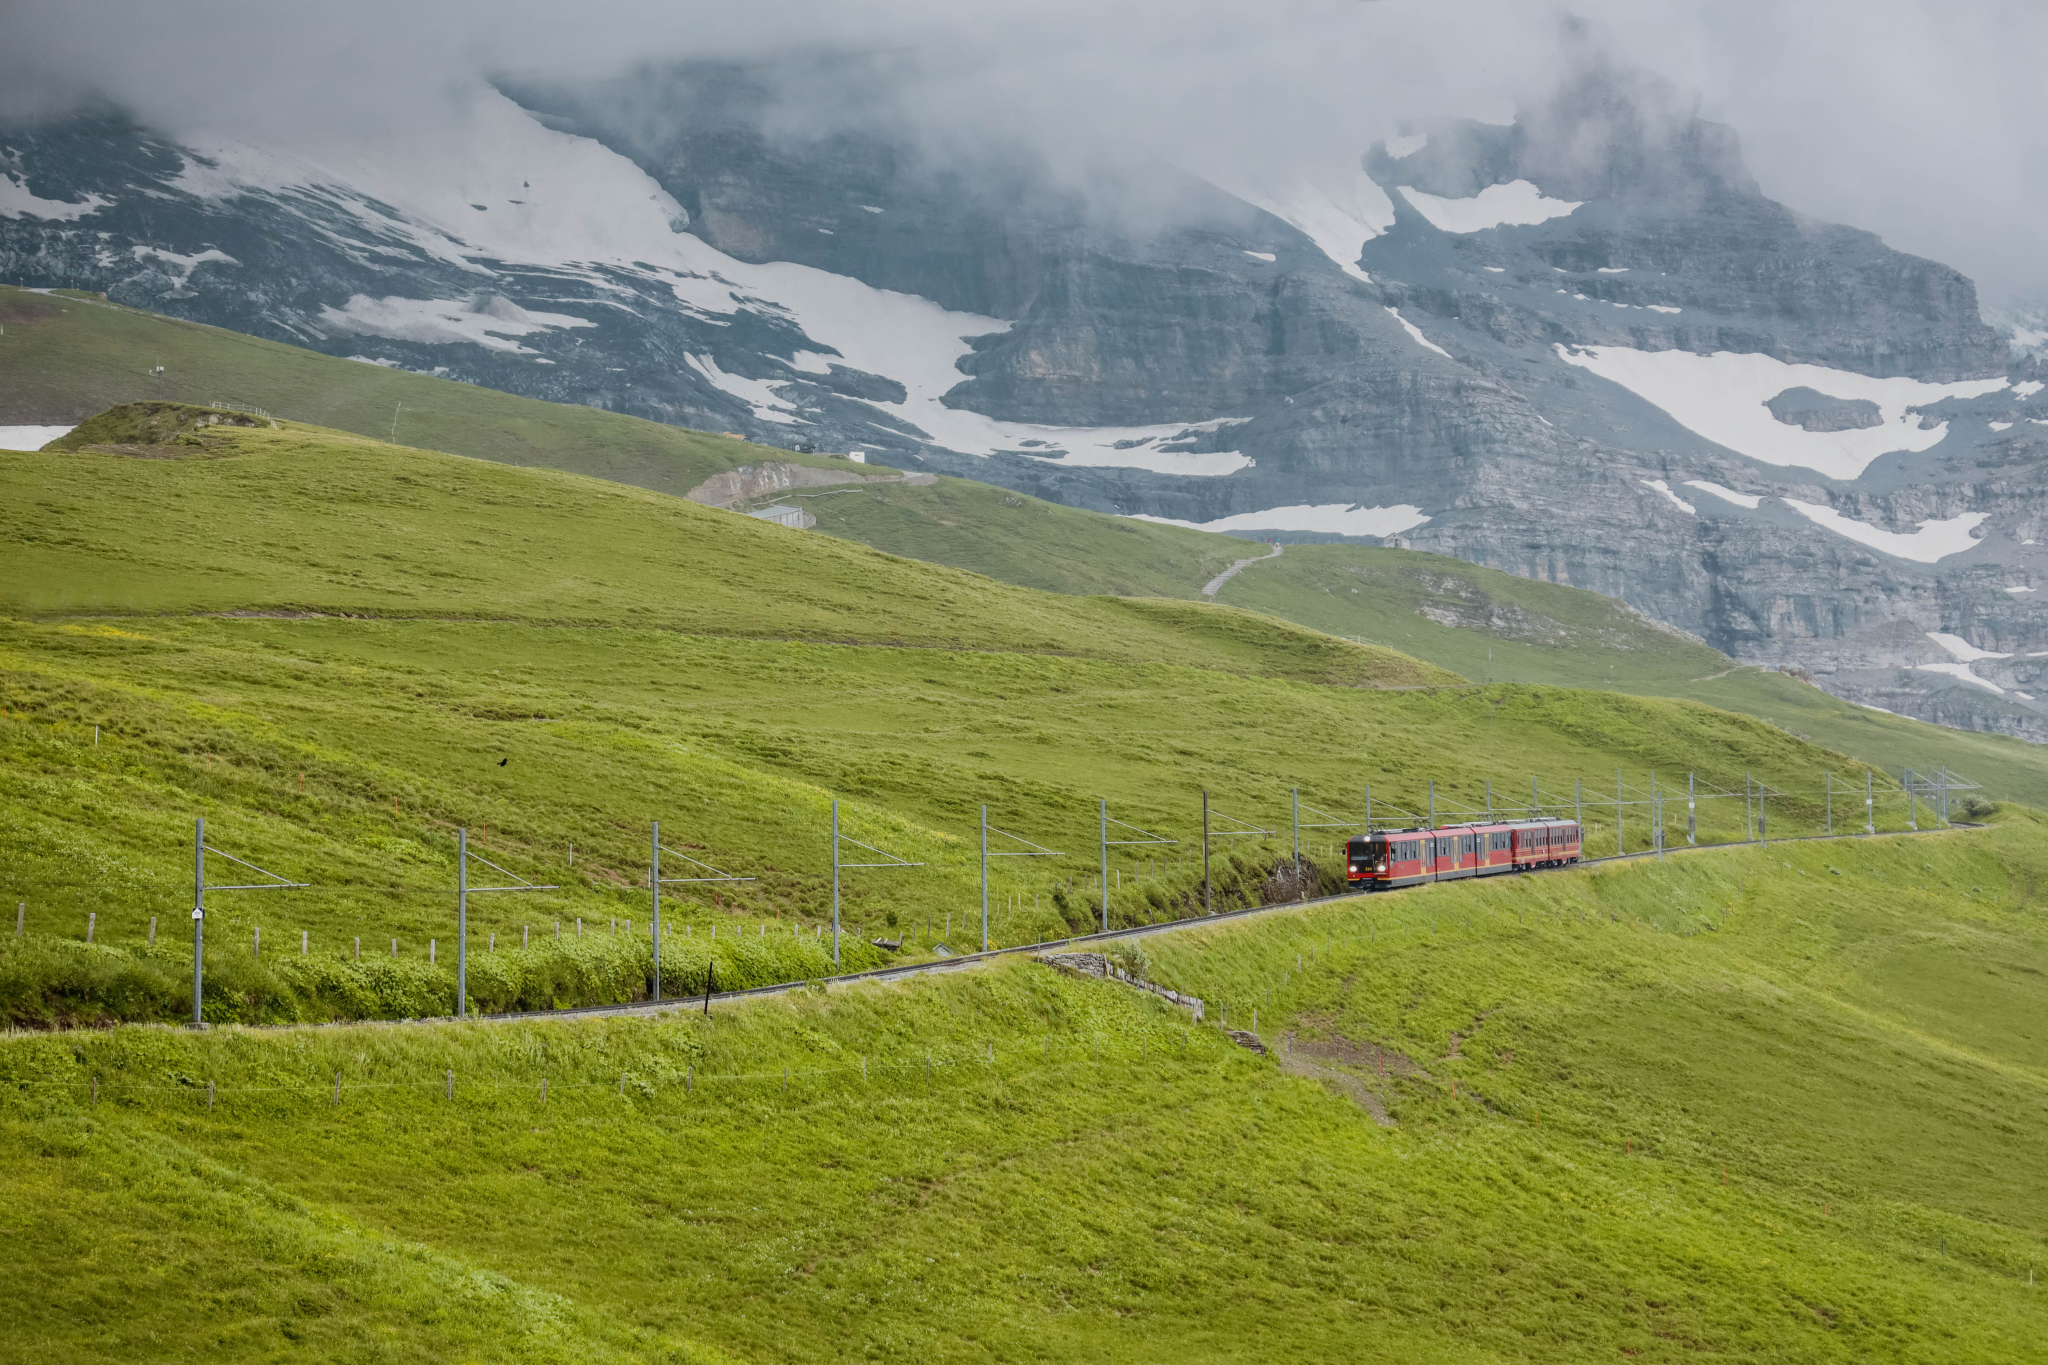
[1391,858]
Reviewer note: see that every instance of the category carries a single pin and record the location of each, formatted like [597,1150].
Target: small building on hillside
[795,518]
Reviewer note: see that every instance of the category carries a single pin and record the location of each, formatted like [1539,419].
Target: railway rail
[969,961]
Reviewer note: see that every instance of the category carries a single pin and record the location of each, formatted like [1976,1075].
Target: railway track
[969,961]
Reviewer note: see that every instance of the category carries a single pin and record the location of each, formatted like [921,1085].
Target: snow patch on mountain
[1340,212]
[1933,542]
[184,265]
[489,321]
[29,438]
[1721,397]
[498,188]
[1962,650]
[1678,502]
[758,394]
[1331,518]
[1416,332]
[1514,204]
[16,201]
[1961,673]
[1401,148]
[1749,500]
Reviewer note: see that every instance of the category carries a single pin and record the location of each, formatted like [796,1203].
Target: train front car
[1365,861]
[1388,859]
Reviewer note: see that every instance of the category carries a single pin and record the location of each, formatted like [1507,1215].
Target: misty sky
[1924,122]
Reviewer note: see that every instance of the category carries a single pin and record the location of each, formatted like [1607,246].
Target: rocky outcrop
[770,477]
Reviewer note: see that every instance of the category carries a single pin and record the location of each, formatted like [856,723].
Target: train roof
[1546,821]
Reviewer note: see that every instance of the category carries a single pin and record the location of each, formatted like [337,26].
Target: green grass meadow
[1776,1103]
[341,652]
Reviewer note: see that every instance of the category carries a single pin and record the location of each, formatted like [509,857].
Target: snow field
[443,322]
[17,202]
[1514,204]
[1961,673]
[1334,518]
[1933,542]
[29,438]
[1721,398]
[1749,500]
[1340,211]
[1961,650]
[570,204]
[1416,332]
[1665,489]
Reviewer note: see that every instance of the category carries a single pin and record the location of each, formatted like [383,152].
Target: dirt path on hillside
[1215,585]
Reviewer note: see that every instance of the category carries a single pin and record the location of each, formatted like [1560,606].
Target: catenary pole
[1297,832]
[1208,895]
[654,881]
[984,879]
[1105,864]
[198,918]
[1620,844]
[1831,801]
[1656,817]
[461,921]
[835,899]
[1692,819]
[1869,801]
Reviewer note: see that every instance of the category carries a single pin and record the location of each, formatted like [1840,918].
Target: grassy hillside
[339,652]
[64,357]
[1778,1104]
[1493,626]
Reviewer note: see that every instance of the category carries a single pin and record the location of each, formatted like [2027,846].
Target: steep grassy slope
[339,652]
[1778,1104]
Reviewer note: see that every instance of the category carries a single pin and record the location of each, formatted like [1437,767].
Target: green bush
[48,982]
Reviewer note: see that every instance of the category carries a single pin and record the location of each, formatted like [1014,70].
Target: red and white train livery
[1406,857]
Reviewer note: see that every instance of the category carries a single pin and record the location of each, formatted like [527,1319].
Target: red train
[1405,857]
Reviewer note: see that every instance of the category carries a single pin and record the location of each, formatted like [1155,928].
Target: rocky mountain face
[1583,347]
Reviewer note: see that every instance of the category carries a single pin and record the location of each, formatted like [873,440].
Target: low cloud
[1922,122]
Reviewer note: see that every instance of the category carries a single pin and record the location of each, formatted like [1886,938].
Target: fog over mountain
[1675,302]
[1921,121]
